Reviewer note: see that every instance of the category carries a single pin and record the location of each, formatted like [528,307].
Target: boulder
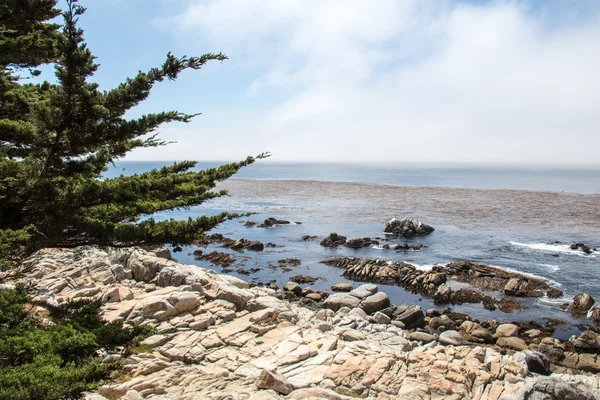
[453,338]
[588,342]
[339,300]
[381,318]
[506,330]
[512,342]
[443,294]
[407,227]
[333,240]
[293,287]
[117,294]
[275,381]
[365,290]
[534,360]
[303,279]
[359,243]
[342,287]
[375,302]
[411,317]
[581,305]
[421,337]
[359,313]
[442,322]
[314,296]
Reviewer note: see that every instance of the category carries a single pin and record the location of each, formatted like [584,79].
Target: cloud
[409,81]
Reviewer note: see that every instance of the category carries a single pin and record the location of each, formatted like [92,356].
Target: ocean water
[510,227]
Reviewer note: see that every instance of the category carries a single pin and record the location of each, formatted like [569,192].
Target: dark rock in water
[462,296]
[197,253]
[177,249]
[574,246]
[534,360]
[583,247]
[333,240]
[308,238]
[249,223]
[342,287]
[272,245]
[222,259]
[407,227]
[303,279]
[386,246]
[293,287]
[509,306]
[360,242]
[247,271]
[270,222]
[519,287]
[294,262]
[581,305]
[554,293]
[243,244]
[408,247]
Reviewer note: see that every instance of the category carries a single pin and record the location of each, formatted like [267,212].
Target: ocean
[511,218]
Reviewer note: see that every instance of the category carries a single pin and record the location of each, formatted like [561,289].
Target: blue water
[527,253]
[521,178]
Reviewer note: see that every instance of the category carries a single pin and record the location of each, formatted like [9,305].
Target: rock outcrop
[407,227]
[333,240]
[218,338]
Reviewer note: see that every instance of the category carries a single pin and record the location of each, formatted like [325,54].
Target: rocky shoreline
[218,338]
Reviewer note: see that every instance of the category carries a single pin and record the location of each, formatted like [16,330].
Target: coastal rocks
[333,240]
[272,222]
[360,242]
[303,279]
[518,287]
[506,330]
[407,227]
[220,339]
[556,387]
[595,317]
[588,342]
[554,293]
[584,248]
[581,305]
[242,244]
[217,258]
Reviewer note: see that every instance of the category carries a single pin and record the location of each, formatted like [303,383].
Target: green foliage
[57,139]
[56,361]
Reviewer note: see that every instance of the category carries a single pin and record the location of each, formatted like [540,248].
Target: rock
[534,360]
[381,318]
[352,335]
[275,381]
[293,287]
[581,305]
[506,330]
[421,337]
[588,342]
[242,244]
[314,296]
[407,227]
[303,279]
[359,313]
[483,334]
[375,302]
[442,322]
[333,240]
[359,243]
[339,300]
[512,342]
[453,338]
[342,287]
[412,317]
[555,388]
[364,291]
[117,294]
[443,294]
[554,293]
[595,317]
[554,354]
[217,258]
[307,238]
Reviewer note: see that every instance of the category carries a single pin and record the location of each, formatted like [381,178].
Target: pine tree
[57,139]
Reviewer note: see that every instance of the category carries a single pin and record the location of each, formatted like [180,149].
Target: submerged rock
[342,287]
[407,227]
[581,305]
[360,242]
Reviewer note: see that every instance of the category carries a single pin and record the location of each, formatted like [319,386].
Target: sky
[379,81]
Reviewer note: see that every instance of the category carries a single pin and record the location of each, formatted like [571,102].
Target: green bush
[45,361]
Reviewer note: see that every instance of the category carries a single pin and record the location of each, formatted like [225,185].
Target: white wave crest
[553,248]
[551,266]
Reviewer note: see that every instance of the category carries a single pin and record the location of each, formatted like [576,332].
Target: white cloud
[400,81]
